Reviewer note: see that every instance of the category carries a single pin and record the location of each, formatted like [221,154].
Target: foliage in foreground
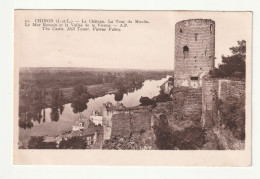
[73,143]
[232,112]
[37,142]
[191,138]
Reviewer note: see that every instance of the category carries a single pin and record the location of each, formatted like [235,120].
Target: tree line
[233,66]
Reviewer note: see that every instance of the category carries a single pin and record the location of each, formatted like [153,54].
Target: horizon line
[167,69]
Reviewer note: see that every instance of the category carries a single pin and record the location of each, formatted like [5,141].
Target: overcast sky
[142,46]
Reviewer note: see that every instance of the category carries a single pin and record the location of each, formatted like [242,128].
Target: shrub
[73,143]
[232,112]
[163,97]
[191,138]
[145,101]
[37,142]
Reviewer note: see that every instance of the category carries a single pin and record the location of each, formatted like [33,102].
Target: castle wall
[194,51]
[121,124]
[214,90]
[126,121]
[187,104]
[107,114]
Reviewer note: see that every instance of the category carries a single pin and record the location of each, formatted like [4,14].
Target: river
[68,118]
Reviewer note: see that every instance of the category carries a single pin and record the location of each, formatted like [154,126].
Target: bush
[232,112]
[163,133]
[191,138]
[145,101]
[37,142]
[73,143]
[163,97]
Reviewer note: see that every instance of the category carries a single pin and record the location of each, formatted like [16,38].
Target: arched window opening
[185,51]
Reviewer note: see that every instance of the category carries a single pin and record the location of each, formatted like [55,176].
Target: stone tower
[194,51]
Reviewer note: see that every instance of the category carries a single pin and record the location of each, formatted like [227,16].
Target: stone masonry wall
[187,103]
[194,51]
[131,120]
[214,90]
[209,102]
[121,125]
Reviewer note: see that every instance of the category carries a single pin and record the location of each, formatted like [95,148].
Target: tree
[163,97]
[73,143]
[37,142]
[80,98]
[54,114]
[145,101]
[78,90]
[25,122]
[163,133]
[119,96]
[191,138]
[234,65]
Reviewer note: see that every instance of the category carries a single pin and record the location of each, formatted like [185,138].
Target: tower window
[185,51]
[206,50]
[194,78]
[180,30]
[210,28]
[196,35]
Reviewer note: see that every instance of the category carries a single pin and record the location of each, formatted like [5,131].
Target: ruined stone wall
[231,88]
[121,124]
[214,90]
[194,51]
[131,120]
[209,102]
[107,114]
[187,104]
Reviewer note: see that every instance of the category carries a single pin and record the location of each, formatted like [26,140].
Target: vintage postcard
[132,88]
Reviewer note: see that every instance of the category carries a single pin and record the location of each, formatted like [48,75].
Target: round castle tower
[194,51]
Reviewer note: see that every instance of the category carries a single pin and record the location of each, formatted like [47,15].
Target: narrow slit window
[210,28]
[196,36]
[206,49]
[194,78]
[180,30]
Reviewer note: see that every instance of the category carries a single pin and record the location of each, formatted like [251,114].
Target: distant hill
[85,69]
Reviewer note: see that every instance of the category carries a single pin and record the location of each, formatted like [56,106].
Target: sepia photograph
[115,81]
